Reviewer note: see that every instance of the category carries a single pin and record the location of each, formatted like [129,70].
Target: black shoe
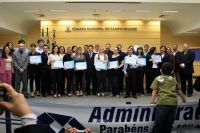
[126,96]
[134,96]
[189,95]
[44,95]
[87,93]
[26,96]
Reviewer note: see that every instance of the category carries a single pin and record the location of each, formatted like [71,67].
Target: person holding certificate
[62,86]
[140,71]
[115,63]
[130,72]
[79,72]
[34,70]
[54,60]
[100,63]
[69,71]
[152,70]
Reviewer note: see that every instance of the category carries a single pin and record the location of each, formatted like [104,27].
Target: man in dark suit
[175,62]
[164,56]
[45,73]
[187,58]
[90,72]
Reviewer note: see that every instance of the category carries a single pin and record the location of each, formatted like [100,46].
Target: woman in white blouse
[55,60]
[100,60]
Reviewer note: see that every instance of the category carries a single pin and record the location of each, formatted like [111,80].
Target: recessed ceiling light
[42,19]
[170,11]
[88,10]
[30,11]
[57,10]
[115,11]
[191,32]
[143,11]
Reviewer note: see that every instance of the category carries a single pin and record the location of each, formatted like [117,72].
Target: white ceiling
[186,21]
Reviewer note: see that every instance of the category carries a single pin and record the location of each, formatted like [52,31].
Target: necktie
[90,55]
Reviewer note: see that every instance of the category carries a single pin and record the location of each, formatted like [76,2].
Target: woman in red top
[6,66]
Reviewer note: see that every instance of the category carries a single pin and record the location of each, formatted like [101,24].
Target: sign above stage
[100,28]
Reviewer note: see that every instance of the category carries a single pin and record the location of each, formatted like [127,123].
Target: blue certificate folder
[35,59]
[113,64]
[142,61]
[80,65]
[102,65]
[69,64]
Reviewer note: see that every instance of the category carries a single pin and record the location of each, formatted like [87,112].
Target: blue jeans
[165,116]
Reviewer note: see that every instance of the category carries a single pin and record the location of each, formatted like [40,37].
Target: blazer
[44,64]
[188,60]
[90,61]
[21,60]
[176,61]
[3,66]
[166,58]
[34,129]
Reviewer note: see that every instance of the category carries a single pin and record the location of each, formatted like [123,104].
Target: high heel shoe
[77,93]
[55,96]
[102,94]
[81,93]
[32,94]
[98,94]
[59,95]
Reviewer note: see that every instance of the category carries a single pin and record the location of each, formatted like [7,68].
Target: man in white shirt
[39,49]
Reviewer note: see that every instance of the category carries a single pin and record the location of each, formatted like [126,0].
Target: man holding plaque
[34,70]
[90,72]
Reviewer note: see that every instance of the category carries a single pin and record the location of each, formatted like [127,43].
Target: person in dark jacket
[187,58]
[34,72]
[90,71]
[45,73]
[165,57]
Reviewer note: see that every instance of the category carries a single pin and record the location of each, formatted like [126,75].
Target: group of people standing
[131,67]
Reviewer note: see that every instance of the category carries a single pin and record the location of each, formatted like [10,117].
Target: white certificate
[156,58]
[113,64]
[101,65]
[141,61]
[58,64]
[131,60]
[35,59]
[81,65]
[69,64]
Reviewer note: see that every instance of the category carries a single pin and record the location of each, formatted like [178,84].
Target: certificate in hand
[130,60]
[113,64]
[69,64]
[141,61]
[156,58]
[58,64]
[81,65]
[102,65]
[35,59]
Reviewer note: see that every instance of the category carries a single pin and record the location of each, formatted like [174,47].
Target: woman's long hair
[3,55]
